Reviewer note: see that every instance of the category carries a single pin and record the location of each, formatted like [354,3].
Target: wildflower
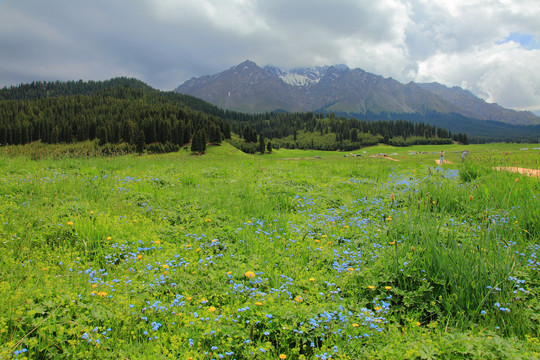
[258,303]
[139,256]
[157,242]
[418,323]
[298,299]
[250,274]
[350,269]
[392,197]
[109,238]
[102,293]
[70,223]
[388,287]
[189,298]
[312,279]
[165,266]
[470,197]
[282,356]
[211,309]
[355,325]
[516,180]
[371,287]
[207,220]
[134,221]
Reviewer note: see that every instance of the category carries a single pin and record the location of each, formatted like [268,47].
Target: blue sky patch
[527,41]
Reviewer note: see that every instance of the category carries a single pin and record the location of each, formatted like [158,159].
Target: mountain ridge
[250,88]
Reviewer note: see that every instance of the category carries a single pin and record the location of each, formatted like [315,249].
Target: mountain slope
[247,87]
[478,108]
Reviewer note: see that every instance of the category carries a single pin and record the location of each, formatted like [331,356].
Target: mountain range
[250,88]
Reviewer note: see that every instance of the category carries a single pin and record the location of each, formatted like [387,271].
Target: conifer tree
[203,141]
[269,147]
[140,141]
[215,134]
[195,142]
[102,136]
[261,144]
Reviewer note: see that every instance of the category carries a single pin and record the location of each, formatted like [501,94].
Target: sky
[490,47]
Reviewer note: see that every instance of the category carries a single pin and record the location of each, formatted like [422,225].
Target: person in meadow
[442,157]
[464,155]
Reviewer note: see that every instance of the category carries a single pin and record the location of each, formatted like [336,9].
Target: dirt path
[528,172]
[383,157]
[444,162]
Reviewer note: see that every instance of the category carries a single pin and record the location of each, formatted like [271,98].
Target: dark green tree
[215,134]
[140,141]
[198,143]
[269,146]
[262,146]
[103,135]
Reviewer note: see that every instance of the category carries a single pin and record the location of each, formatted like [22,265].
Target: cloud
[488,46]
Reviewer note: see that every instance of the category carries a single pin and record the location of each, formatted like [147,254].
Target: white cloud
[502,73]
[488,46]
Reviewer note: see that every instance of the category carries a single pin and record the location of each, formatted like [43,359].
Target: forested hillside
[127,111]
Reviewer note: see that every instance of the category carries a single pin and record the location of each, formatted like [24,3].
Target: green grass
[348,257]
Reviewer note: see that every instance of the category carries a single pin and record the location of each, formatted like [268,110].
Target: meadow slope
[289,255]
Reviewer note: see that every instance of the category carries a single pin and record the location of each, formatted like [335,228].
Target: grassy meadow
[289,255]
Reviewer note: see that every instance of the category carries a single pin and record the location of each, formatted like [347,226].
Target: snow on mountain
[301,77]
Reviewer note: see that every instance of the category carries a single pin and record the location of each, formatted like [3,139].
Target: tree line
[329,132]
[113,115]
[128,111]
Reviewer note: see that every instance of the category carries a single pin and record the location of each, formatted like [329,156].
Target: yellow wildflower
[250,274]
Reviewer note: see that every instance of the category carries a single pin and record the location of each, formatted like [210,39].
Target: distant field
[289,255]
